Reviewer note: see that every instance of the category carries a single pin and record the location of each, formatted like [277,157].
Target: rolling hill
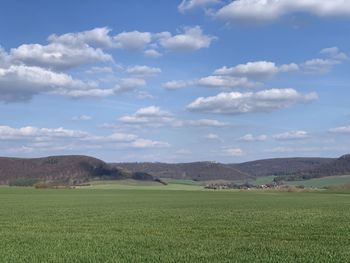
[77,169]
[71,170]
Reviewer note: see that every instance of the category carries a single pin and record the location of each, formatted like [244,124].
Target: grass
[144,185]
[323,182]
[114,225]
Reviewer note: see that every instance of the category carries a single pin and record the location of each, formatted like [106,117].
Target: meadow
[150,225]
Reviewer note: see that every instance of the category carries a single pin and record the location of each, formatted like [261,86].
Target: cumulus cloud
[133,40]
[97,37]
[240,103]
[252,138]
[192,38]
[257,11]
[256,70]
[143,71]
[291,135]
[20,83]
[186,5]
[151,116]
[58,55]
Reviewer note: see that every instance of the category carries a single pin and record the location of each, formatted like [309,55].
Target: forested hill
[74,169]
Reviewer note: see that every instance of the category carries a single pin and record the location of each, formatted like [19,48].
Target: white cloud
[129,84]
[97,37]
[20,83]
[99,70]
[178,84]
[256,70]
[291,135]
[204,123]
[186,5]
[239,103]
[133,40]
[191,39]
[233,152]
[226,82]
[151,116]
[255,11]
[342,129]
[143,71]
[323,65]
[82,118]
[144,143]
[212,82]
[58,55]
[252,138]
[152,53]
[38,134]
[213,136]
[156,117]
[32,138]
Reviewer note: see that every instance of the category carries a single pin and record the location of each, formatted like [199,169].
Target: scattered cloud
[191,39]
[256,70]
[252,138]
[20,83]
[143,71]
[187,5]
[152,53]
[291,135]
[323,65]
[233,152]
[177,84]
[133,40]
[240,103]
[38,134]
[58,55]
[129,84]
[260,11]
[154,116]
[53,139]
[144,143]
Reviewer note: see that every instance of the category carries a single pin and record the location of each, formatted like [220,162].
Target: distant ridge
[78,169]
[217,171]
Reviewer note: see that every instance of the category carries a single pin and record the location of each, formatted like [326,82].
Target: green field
[323,182]
[114,225]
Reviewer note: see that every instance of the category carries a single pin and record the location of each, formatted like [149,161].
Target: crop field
[138,225]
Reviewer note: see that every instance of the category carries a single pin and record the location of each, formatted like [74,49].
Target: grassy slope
[144,185]
[172,226]
[323,182]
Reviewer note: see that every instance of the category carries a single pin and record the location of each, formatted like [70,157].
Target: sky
[175,81]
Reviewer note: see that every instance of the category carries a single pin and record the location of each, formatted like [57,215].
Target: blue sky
[175,81]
